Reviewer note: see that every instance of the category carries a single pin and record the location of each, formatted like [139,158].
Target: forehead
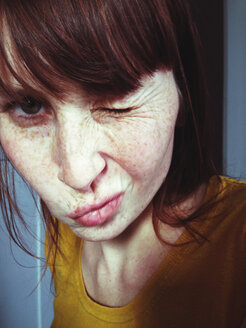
[149,86]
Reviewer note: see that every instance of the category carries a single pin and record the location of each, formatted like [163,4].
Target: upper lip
[80,211]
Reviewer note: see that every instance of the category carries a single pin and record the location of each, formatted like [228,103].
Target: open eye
[27,105]
[30,105]
[28,111]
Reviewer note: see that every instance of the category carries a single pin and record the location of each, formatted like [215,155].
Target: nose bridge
[80,162]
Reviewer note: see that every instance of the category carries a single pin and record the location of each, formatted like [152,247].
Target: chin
[100,233]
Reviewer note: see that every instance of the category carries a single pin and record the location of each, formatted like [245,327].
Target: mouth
[96,214]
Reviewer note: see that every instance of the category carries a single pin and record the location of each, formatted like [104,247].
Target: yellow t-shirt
[197,285]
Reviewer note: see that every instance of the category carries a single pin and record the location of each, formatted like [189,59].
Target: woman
[103,112]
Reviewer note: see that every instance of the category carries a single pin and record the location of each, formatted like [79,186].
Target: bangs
[104,46]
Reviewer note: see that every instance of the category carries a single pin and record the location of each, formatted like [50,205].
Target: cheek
[25,153]
[144,148]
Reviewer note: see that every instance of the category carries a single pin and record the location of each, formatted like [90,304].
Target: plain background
[17,308]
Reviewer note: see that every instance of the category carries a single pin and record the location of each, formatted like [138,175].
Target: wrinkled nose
[81,164]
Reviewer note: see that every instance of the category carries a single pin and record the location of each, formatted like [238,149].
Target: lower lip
[100,215]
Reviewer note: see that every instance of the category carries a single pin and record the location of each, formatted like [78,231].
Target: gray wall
[17,308]
[235,89]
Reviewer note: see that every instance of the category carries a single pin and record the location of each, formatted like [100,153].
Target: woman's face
[97,167]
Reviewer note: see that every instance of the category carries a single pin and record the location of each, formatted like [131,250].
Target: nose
[81,164]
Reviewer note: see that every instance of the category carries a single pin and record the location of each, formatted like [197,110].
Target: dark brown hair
[105,47]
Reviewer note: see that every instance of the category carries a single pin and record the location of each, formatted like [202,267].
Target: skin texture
[75,153]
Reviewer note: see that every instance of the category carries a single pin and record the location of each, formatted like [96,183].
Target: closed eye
[116,110]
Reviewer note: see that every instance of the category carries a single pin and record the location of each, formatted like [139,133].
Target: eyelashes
[118,111]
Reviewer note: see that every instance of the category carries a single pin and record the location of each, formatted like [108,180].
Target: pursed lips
[95,214]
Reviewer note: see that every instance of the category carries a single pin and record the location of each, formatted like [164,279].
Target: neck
[138,242]
[131,244]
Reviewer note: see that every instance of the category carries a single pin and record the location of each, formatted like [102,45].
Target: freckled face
[75,155]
